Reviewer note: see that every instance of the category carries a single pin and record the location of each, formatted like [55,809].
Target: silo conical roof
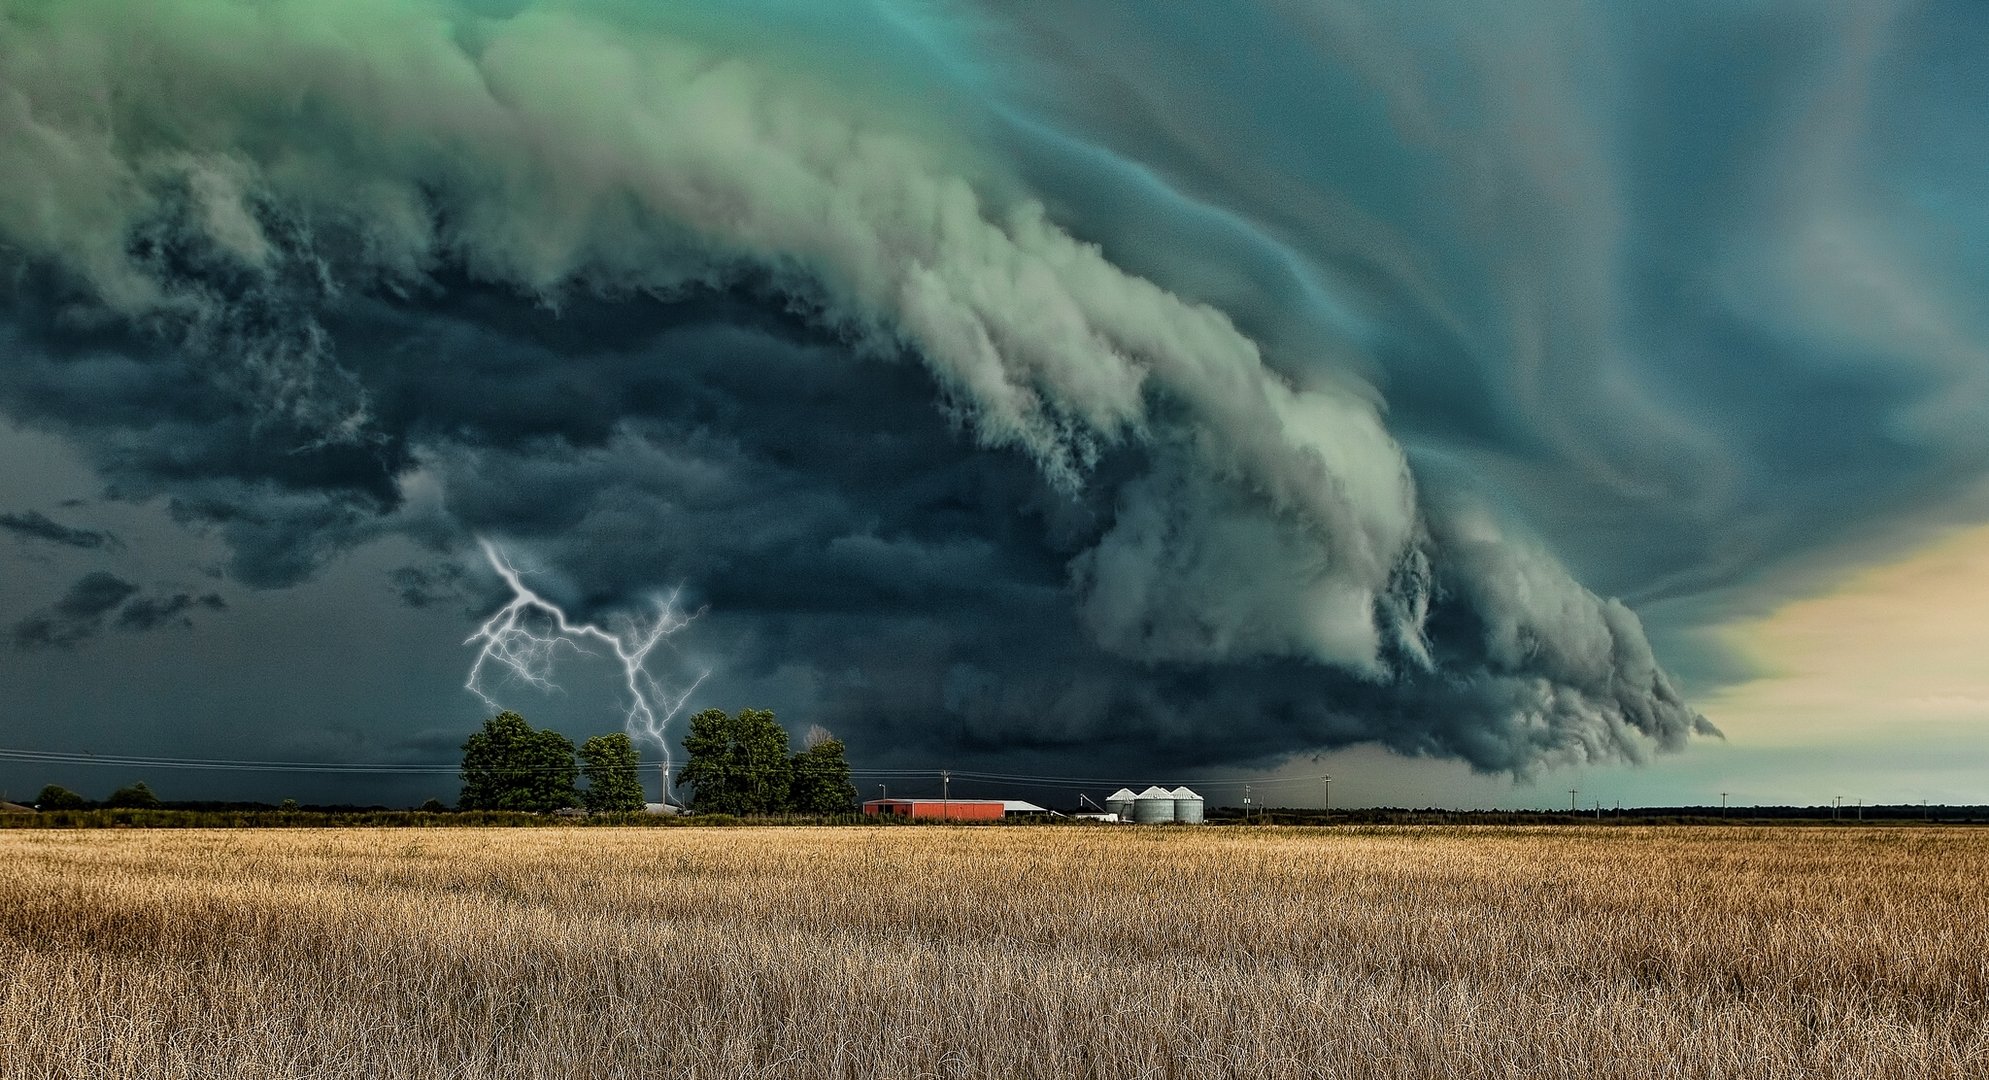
[1182,792]
[1155,792]
[1122,793]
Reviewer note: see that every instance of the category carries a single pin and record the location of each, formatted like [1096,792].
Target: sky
[1470,403]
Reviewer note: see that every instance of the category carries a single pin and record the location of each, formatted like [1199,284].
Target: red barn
[943,809]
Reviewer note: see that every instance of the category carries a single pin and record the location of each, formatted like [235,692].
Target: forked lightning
[509,639]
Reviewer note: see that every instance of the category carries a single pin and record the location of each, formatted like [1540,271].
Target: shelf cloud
[1010,389]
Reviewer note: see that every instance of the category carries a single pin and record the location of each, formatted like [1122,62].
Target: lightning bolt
[525,637]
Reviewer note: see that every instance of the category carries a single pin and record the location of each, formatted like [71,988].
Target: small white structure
[1154,806]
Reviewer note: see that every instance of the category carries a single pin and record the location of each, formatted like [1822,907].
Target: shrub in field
[55,797]
[135,797]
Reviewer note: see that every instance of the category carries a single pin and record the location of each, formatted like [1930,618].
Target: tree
[510,765]
[821,782]
[135,797]
[611,762]
[737,764]
[54,797]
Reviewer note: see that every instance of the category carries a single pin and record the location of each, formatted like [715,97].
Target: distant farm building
[1155,805]
[939,809]
[956,809]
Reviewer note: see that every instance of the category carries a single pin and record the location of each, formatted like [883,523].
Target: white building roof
[1155,792]
[1017,806]
[1182,792]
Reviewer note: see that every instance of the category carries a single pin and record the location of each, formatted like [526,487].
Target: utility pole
[1246,802]
[1572,792]
[1861,811]
[1329,794]
[1836,805]
[1723,804]
[946,785]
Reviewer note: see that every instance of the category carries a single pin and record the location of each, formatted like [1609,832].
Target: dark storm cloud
[83,611]
[77,616]
[1605,263]
[1095,393]
[35,525]
[148,613]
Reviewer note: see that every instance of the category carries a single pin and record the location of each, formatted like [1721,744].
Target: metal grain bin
[1121,803]
[1187,807]
[1154,806]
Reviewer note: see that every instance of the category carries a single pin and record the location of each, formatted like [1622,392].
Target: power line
[56,757]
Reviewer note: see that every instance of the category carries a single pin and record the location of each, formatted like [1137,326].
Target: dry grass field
[1025,952]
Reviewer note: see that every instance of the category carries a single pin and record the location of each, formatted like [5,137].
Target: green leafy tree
[610,763]
[737,764]
[55,797]
[708,763]
[510,765]
[135,797]
[821,782]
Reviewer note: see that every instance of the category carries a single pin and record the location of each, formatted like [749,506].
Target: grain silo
[1187,806]
[1121,803]
[1154,806]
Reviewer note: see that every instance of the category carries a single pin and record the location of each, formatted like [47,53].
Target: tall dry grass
[937,952]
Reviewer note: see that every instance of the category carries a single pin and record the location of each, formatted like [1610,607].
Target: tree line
[510,765]
[130,797]
[734,764]
[739,763]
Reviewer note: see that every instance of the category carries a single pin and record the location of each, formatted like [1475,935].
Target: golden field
[995,952]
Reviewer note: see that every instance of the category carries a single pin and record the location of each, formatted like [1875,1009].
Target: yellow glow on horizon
[1896,648]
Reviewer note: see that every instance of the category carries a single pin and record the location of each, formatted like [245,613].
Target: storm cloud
[84,610]
[77,617]
[1000,391]
[35,525]
[148,613]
